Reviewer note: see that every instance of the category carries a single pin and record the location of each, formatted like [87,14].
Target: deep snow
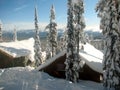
[27,78]
[92,57]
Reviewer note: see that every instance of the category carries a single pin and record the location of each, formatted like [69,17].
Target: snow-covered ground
[27,78]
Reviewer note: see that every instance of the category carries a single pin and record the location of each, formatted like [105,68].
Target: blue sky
[21,13]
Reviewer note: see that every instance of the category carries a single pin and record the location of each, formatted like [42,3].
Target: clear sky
[21,13]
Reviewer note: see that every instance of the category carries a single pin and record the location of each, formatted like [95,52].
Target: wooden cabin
[56,67]
[7,60]
[18,53]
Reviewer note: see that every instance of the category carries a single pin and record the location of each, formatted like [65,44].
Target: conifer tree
[48,48]
[80,25]
[109,12]
[72,62]
[79,21]
[37,44]
[63,41]
[52,35]
[15,35]
[0,30]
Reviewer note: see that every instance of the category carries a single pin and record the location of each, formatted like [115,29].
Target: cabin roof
[92,57]
[18,48]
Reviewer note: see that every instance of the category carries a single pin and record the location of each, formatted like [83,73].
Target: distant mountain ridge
[25,34]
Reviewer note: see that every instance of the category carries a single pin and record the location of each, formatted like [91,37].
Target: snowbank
[19,48]
[28,79]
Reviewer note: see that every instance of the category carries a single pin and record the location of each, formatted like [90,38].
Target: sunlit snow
[27,78]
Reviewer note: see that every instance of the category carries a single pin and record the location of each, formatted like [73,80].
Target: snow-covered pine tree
[72,62]
[80,25]
[15,35]
[48,48]
[87,38]
[37,44]
[79,21]
[52,35]
[0,30]
[109,12]
[63,41]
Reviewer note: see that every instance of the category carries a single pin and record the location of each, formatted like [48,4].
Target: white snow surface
[26,78]
[92,57]
[19,48]
[76,2]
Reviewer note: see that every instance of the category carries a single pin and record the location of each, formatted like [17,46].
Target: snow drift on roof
[19,48]
[92,57]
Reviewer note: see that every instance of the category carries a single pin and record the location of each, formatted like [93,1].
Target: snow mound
[26,78]
[19,48]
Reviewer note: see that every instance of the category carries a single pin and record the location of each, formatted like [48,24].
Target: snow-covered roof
[92,57]
[51,60]
[19,48]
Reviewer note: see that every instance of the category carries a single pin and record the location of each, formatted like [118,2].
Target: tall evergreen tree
[80,25]
[37,44]
[15,35]
[79,21]
[0,30]
[109,12]
[63,41]
[48,48]
[52,35]
[72,61]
